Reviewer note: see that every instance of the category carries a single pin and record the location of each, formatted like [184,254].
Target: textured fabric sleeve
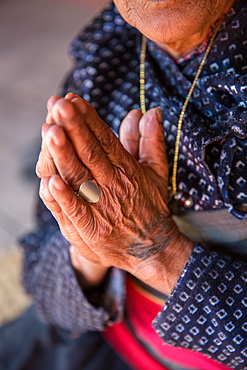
[50,279]
[207,310]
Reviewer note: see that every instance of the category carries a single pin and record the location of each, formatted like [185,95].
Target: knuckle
[38,170]
[51,204]
[74,209]
[79,179]
[93,155]
[45,168]
[76,177]
[39,165]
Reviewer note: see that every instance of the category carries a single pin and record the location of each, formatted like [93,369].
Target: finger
[78,211]
[45,165]
[47,197]
[51,101]
[70,96]
[66,226]
[102,132]
[69,167]
[83,118]
[86,144]
[152,144]
[129,132]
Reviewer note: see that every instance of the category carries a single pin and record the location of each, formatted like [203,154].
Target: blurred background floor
[34,39]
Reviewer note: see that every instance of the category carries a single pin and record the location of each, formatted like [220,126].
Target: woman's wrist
[163,270]
[176,258]
[89,274]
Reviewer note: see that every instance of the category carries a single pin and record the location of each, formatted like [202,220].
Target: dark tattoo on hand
[153,239]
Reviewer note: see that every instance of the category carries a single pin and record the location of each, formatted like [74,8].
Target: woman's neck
[181,48]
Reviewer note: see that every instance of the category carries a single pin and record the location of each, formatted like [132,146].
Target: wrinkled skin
[176,26]
[130,227]
[171,20]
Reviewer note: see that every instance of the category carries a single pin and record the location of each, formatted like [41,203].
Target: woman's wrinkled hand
[130,227]
[45,169]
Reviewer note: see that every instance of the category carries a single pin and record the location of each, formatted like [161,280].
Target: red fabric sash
[142,308]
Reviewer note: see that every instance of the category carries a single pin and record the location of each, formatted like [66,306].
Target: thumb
[129,132]
[152,143]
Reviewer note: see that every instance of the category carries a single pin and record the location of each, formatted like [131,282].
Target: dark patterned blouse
[207,310]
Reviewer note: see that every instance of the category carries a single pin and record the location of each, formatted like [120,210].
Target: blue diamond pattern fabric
[207,310]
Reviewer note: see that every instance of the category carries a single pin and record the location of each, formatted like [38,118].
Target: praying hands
[130,227]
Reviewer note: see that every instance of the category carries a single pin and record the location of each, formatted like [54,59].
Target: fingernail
[69,93]
[59,138]
[44,129]
[44,186]
[59,106]
[51,102]
[56,140]
[45,181]
[75,100]
[65,109]
[70,96]
[159,114]
[55,134]
[58,182]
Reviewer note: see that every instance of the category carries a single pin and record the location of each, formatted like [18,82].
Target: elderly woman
[144,266]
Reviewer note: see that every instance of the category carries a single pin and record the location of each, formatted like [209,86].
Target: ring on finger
[89,191]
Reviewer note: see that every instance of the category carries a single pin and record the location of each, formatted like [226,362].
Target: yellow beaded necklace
[179,196]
